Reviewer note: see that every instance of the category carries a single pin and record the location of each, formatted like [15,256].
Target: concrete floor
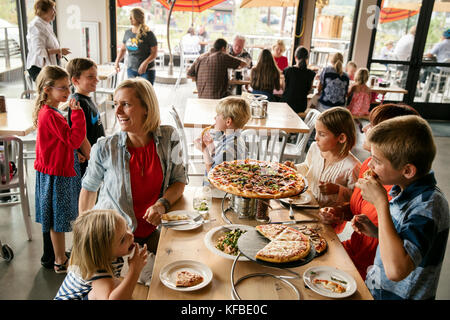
[23,278]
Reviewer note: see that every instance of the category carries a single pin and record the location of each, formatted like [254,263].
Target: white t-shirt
[402,50]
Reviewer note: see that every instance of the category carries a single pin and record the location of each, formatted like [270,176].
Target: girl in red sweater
[58,181]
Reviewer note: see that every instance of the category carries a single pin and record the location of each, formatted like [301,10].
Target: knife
[294,221]
[179,223]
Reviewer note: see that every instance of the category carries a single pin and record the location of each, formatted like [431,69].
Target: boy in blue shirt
[413,227]
[222,142]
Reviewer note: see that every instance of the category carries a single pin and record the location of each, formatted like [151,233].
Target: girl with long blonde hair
[58,179]
[142,47]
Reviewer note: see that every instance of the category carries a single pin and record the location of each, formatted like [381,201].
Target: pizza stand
[249,243]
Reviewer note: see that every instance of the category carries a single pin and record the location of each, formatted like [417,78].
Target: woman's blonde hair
[93,237]
[339,120]
[46,78]
[238,109]
[147,96]
[138,14]
[280,44]
[362,75]
[337,61]
[41,7]
[265,75]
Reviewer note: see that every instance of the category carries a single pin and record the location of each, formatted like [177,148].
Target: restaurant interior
[359,29]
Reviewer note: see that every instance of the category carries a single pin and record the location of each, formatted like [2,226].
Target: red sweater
[56,141]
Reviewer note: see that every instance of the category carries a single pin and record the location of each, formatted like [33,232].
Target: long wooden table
[18,118]
[200,113]
[189,245]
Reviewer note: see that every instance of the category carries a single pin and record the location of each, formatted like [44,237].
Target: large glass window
[332,30]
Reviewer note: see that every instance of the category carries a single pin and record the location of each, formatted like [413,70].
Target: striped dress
[75,287]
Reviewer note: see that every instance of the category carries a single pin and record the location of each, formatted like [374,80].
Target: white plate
[304,198]
[214,234]
[168,274]
[191,215]
[325,273]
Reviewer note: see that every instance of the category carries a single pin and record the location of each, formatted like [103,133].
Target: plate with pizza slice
[222,240]
[329,282]
[185,275]
[182,215]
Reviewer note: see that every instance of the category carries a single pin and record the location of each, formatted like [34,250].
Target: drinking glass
[202,201]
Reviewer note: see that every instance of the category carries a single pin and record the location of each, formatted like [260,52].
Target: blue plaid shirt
[421,217]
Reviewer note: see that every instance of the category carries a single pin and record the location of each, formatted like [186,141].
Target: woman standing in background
[43,46]
[142,48]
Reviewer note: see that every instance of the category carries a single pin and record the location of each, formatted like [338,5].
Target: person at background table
[138,170]
[298,81]
[142,47]
[351,69]
[101,238]
[265,76]
[330,168]
[359,94]
[278,49]
[387,51]
[210,71]
[83,74]
[413,226]
[402,51]
[333,86]
[237,50]
[57,168]
[223,141]
[440,52]
[203,35]
[190,42]
[43,46]
[360,247]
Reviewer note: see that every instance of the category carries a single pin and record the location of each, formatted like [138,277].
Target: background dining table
[18,118]
[175,245]
[200,113]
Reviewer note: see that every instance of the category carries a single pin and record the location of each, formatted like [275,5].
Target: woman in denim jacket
[139,170]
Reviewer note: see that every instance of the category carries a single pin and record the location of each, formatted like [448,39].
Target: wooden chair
[13,151]
[297,151]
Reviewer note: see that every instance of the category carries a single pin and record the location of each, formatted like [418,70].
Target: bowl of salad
[222,240]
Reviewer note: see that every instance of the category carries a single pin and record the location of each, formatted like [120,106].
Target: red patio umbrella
[394,14]
[190,5]
[122,3]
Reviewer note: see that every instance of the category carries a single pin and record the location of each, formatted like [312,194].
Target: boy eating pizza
[413,227]
[222,142]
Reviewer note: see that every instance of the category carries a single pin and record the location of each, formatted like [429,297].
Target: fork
[291,212]
[181,222]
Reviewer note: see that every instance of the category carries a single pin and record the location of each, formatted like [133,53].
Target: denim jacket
[109,164]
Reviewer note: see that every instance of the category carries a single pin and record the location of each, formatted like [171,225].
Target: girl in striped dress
[330,168]
[100,240]
[58,181]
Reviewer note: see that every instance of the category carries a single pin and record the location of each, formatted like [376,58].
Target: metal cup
[2,104]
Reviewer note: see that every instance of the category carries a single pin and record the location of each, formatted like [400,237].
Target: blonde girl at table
[330,168]
[58,180]
[101,238]
[359,94]
[138,170]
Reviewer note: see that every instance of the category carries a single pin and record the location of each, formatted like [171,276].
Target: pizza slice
[174,217]
[291,234]
[330,285]
[270,231]
[369,173]
[284,251]
[186,278]
[319,242]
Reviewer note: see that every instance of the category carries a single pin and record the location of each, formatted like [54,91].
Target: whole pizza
[256,179]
